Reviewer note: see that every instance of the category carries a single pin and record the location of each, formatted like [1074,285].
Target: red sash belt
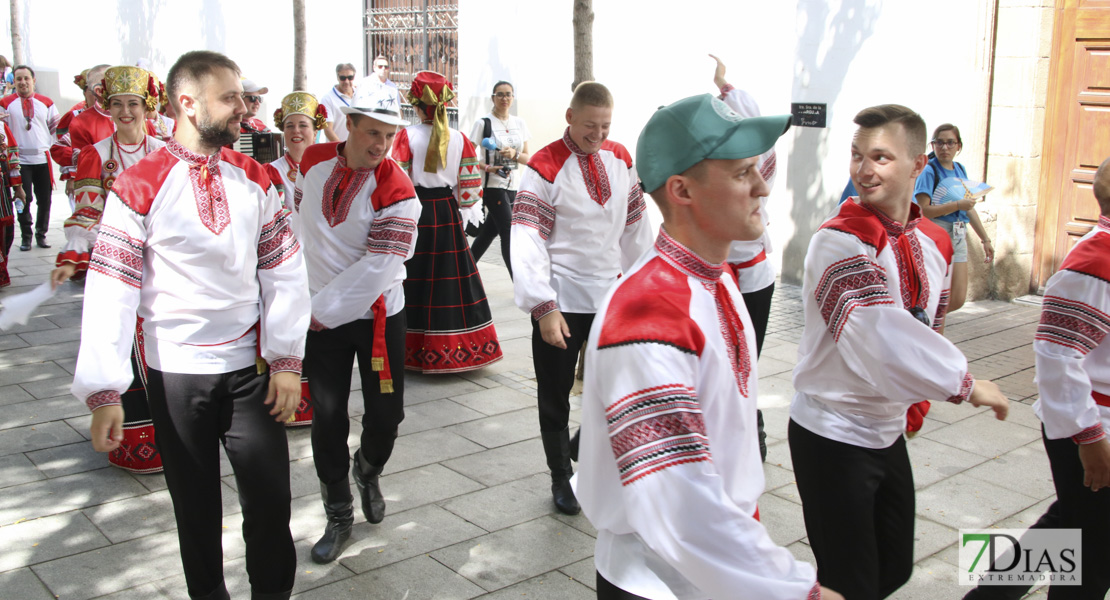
[753,262]
[379,358]
[1100,399]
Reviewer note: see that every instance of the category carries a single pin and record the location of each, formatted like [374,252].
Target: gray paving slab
[930,537]
[423,485]
[422,388]
[50,388]
[435,414]
[36,437]
[984,435]
[37,354]
[59,461]
[23,584]
[965,502]
[36,541]
[16,469]
[41,411]
[418,578]
[404,535]
[31,373]
[933,461]
[500,430]
[505,505]
[113,568]
[505,463]
[11,341]
[782,519]
[551,585]
[512,555]
[583,571]
[146,591]
[52,336]
[1024,470]
[62,494]
[428,447]
[496,401]
[144,515]
[932,578]
[13,394]
[81,425]
[35,323]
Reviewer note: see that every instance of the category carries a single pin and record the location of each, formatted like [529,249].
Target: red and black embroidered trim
[1090,435]
[966,386]
[208,186]
[288,363]
[1072,324]
[540,310]
[118,256]
[391,235]
[104,398]
[635,205]
[685,260]
[849,284]
[531,211]
[656,428]
[276,242]
[340,189]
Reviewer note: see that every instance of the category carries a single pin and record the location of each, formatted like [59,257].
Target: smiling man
[578,222]
[356,214]
[340,96]
[33,120]
[875,291]
[194,243]
[670,472]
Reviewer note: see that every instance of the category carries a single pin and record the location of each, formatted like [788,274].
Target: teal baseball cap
[681,135]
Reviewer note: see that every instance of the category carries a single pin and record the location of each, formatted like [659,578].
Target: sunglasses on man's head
[346,78]
[381,66]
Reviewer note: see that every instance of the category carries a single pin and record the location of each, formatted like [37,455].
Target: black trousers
[759,309]
[858,505]
[608,591]
[555,370]
[36,185]
[1076,507]
[328,363]
[193,415]
[499,218]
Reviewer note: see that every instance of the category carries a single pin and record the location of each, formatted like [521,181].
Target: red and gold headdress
[431,92]
[301,103]
[82,80]
[131,81]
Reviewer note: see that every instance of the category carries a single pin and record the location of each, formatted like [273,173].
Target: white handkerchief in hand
[18,308]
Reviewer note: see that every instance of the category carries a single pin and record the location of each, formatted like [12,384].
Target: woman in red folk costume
[298,119]
[450,327]
[129,92]
[11,187]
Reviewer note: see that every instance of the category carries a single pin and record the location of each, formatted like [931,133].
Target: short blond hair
[591,93]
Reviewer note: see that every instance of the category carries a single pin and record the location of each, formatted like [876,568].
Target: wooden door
[1077,131]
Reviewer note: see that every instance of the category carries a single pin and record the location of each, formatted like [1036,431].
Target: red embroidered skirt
[138,452]
[450,327]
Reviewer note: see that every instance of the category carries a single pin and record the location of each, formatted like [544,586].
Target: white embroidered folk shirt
[1073,363]
[670,472]
[578,222]
[864,359]
[200,249]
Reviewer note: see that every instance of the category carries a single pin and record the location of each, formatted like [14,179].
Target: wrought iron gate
[414,35]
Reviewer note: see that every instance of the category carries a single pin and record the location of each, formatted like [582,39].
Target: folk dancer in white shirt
[670,472]
[578,223]
[195,242]
[450,326]
[356,213]
[128,94]
[877,278]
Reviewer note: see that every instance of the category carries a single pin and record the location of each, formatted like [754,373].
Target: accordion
[262,146]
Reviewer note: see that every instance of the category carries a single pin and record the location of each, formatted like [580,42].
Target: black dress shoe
[41,240]
[25,245]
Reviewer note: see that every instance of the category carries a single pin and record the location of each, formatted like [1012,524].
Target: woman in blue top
[952,216]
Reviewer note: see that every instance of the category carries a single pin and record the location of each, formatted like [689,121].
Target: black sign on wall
[808,115]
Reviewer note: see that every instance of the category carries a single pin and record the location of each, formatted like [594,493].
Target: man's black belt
[436,193]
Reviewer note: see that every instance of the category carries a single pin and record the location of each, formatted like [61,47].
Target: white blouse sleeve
[533,221]
[283,282]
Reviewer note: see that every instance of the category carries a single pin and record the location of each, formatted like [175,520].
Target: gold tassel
[387,386]
[377,363]
[260,365]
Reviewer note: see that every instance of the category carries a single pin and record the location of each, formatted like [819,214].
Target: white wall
[849,54]
[256,35]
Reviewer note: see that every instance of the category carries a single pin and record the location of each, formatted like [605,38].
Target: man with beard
[195,243]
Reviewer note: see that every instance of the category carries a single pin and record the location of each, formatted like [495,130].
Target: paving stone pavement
[469,510]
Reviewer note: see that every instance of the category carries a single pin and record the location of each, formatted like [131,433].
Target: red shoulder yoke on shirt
[136,187]
[939,236]
[652,306]
[549,160]
[255,172]
[46,101]
[856,220]
[392,185]
[318,153]
[1089,257]
[619,150]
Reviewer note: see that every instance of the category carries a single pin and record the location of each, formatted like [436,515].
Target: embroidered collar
[341,161]
[192,158]
[893,228]
[573,146]
[1104,222]
[685,260]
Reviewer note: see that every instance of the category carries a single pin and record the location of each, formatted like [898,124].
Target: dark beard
[214,135]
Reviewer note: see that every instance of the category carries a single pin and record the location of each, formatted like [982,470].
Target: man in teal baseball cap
[670,472]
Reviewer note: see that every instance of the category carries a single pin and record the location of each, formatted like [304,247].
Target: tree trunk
[300,42]
[583,42]
[17,32]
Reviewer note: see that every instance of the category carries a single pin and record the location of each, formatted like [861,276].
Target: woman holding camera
[509,135]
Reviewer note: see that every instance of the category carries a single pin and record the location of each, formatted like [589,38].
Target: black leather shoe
[556,445]
[25,245]
[41,240]
[366,479]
